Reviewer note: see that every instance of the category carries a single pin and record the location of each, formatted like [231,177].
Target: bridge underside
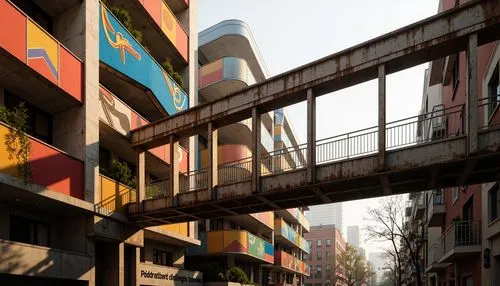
[437,164]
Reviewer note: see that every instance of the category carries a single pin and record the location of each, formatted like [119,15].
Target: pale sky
[290,33]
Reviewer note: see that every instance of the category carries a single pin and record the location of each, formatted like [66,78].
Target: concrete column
[256,153]
[121,264]
[212,157]
[381,117]
[135,261]
[140,176]
[230,261]
[174,167]
[311,136]
[471,102]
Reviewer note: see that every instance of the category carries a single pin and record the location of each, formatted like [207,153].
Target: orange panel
[154,9]
[71,74]
[12,30]
[215,241]
[181,42]
[55,170]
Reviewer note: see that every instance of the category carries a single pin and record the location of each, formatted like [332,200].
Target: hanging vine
[16,140]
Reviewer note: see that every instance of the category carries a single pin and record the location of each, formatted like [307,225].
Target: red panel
[70,74]
[12,30]
[181,42]
[56,171]
[40,65]
[154,9]
[210,78]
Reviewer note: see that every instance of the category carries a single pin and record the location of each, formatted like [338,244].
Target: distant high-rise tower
[353,235]
[326,215]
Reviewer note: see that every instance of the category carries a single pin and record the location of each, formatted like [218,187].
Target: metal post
[471,102]
[381,117]
[256,153]
[174,168]
[212,156]
[140,177]
[311,137]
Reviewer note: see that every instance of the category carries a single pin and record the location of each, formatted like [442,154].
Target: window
[161,257]
[318,267]
[494,91]
[454,194]
[39,122]
[328,242]
[104,158]
[318,242]
[29,231]
[328,255]
[319,256]
[494,202]
[328,266]
[217,224]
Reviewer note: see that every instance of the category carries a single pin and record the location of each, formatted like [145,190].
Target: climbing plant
[169,68]
[17,141]
[121,173]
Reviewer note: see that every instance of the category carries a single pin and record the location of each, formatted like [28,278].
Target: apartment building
[460,229]
[87,73]
[268,246]
[326,242]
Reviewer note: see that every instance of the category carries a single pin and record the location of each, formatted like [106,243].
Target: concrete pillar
[140,176]
[471,102]
[121,264]
[174,167]
[212,157]
[135,261]
[311,136]
[230,261]
[256,153]
[381,117]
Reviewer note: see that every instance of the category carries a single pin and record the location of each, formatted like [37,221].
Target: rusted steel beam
[430,39]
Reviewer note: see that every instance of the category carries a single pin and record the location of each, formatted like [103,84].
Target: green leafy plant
[123,16]
[121,173]
[17,141]
[169,68]
[235,274]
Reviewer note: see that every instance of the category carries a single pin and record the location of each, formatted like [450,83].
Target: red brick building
[326,241]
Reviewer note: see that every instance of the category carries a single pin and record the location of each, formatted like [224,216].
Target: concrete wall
[178,252]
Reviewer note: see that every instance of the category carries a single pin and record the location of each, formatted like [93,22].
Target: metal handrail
[193,180]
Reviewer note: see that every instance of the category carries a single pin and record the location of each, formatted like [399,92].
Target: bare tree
[388,224]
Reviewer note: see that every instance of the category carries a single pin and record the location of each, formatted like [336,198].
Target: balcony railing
[234,242]
[158,189]
[291,262]
[288,159]
[236,171]
[115,196]
[193,180]
[50,167]
[462,233]
[38,49]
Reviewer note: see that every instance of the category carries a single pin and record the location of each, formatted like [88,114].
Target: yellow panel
[180,228]
[6,166]
[214,241]
[39,39]
[115,195]
[168,23]
[232,235]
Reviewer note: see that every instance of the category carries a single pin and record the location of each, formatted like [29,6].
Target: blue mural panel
[119,50]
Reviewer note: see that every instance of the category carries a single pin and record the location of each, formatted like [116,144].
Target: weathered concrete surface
[407,170]
[433,38]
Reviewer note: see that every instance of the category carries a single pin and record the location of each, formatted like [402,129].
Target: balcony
[285,234]
[288,262]
[418,206]
[50,167]
[436,209]
[35,64]
[462,239]
[114,196]
[434,254]
[148,87]
[224,76]
[257,222]
[295,215]
[26,259]
[237,242]
[117,120]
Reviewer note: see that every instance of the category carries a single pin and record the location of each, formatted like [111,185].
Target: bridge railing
[292,158]
[157,189]
[236,171]
[193,180]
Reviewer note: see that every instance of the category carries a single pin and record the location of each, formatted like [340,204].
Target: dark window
[456,73]
[494,202]
[468,210]
[217,224]
[319,256]
[39,122]
[162,257]
[493,91]
[36,13]
[29,231]
[104,158]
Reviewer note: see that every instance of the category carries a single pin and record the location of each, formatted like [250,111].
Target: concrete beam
[256,153]
[311,137]
[471,101]
[140,175]
[212,157]
[174,168]
[381,116]
[433,38]
[320,194]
